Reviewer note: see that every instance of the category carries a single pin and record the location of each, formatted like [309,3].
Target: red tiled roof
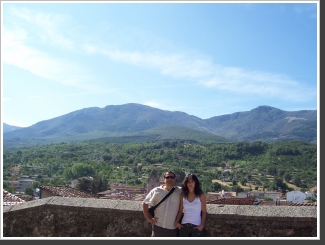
[302,204]
[232,201]
[10,199]
[26,197]
[66,191]
[313,188]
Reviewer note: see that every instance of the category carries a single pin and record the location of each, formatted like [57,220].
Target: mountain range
[136,122]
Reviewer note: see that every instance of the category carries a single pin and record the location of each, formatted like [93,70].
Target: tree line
[268,166]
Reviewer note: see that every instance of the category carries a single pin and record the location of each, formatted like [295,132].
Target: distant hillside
[137,121]
[167,133]
[8,128]
[268,124]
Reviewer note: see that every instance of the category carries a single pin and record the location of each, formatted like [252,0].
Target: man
[163,224]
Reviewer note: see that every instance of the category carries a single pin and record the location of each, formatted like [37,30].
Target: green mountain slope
[146,123]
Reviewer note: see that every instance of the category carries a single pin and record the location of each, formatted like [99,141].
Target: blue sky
[204,59]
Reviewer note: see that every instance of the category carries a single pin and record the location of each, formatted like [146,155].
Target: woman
[193,206]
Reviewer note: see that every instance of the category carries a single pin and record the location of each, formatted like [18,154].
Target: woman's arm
[180,212]
[203,210]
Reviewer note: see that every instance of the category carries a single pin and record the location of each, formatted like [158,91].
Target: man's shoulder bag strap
[168,194]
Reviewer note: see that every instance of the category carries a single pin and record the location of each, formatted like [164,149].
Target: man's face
[169,178]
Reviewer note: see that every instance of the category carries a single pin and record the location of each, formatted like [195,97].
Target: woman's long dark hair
[197,189]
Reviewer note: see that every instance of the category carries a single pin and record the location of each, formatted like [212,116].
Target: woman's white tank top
[192,211]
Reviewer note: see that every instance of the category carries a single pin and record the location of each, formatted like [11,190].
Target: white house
[274,195]
[258,194]
[214,194]
[242,194]
[296,196]
[23,184]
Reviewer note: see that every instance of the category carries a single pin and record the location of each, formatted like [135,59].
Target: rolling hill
[144,123]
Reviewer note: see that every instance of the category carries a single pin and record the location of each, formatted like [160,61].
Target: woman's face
[190,184]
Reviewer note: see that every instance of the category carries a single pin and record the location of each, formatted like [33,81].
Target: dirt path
[246,187]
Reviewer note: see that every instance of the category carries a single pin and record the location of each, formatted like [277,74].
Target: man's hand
[152,221]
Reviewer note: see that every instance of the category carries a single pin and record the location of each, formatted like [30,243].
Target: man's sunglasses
[169,177]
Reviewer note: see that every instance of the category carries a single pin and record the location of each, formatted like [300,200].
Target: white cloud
[211,75]
[46,28]
[66,72]
[191,69]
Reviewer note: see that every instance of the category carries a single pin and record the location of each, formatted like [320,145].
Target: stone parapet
[92,217]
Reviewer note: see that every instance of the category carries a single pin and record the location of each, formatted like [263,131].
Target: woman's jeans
[188,230]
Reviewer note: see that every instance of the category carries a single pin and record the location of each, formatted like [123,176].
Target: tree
[243,181]
[29,191]
[67,174]
[107,158]
[271,170]
[82,169]
[76,160]
[85,185]
[281,172]
[216,186]
[278,183]
[296,181]
[310,199]
[287,177]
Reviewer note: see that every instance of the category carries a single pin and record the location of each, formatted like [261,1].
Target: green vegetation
[242,164]
[165,133]
[310,199]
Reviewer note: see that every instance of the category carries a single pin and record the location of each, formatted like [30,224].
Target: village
[120,191]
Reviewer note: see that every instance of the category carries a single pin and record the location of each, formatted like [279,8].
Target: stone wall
[90,217]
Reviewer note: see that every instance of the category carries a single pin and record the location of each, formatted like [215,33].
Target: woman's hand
[178,225]
[200,228]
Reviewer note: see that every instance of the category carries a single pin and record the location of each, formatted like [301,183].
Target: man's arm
[147,215]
